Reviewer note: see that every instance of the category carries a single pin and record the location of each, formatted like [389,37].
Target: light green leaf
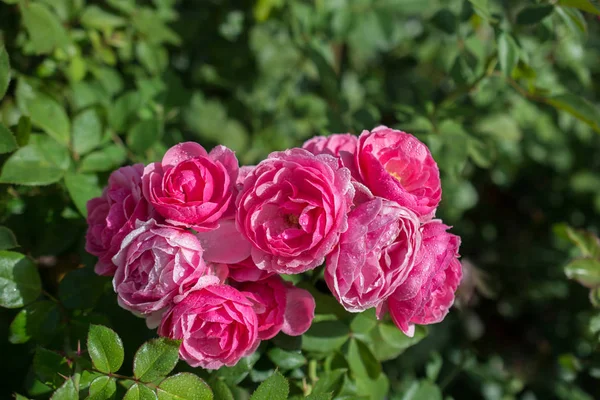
[508,53]
[47,114]
[37,320]
[4,71]
[423,390]
[87,131]
[50,367]
[139,391]
[482,9]
[66,392]
[578,107]
[105,348]
[584,5]
[95,17]
[387,341]
[155,358]
[325,336]
[184,386]
[7,239]
[220,389]
[8,142]
[123,109]
[286,359]
[44,29]
[585,271]
[534,14]
[374,389]
[361,361]
[19,280]
[330,382]
[103,388]
[276,387]
[82,188]
[41,162]
[143,135]
[106,159]
[574,19]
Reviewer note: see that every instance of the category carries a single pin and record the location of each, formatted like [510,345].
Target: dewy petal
[299,311]
[225,244]
[182,152]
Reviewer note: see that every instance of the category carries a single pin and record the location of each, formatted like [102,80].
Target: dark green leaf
[8,143]
[534,14]
[362,362]
[585,271]
[23,131]
[330,382]
[587,243]
[318,396]
[274,388]
[286,359]
[105,349]
[19,280]
[87,131]
[237,373]
[578,107]
[38,320]
[50,367]
[4,71]
[325,336]
[220,390]
[7,239]
[82,188]
[139,391]
[508,53]
[123,109]
[184,386]
[103,388]
[433,367]
[155,358]
[328,77]
[445,20]
[44,29]
[105,159]
[584,5]
[81,289]
[387,341]
[144,135]
[66,392]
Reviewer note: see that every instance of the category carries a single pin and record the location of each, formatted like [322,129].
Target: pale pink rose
[192,188]
[217,325]
[332,144]
[428,292]
[245,170]
[374,256]
[246,271]
[280,306]
[113,215]
[154,264]
[293,209]
[397,166]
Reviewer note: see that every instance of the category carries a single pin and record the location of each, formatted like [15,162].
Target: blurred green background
[505,93]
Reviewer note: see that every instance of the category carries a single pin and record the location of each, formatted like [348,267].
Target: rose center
[293,220]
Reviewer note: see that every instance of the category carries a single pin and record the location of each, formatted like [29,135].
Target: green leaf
[87,131]
[534,14]
[47,114]
[184,386]
[445,20]
[362,362]
[139,391]
[584,5]
[318,396]
[220,389]
[363,323]
[44,29]
[586,271]
[23,131]
[8,143]
[4,71]
[387,341]
[66,392]
[574,19]
[328,77]
[144,135]
[82,188]
[587,243]
[41,162]
[19,280]
[482,9]
[423,390]
[155,358]
[330,382]
[7,239]
[38,320]
[374,389]
[508,53]
[578,107]
[276,387]
[95,17]
[105,348]
[106,159]
[234,375]
[103,388]
[81,289]
[325,336]
[123,109]
[50,367]
[286,359]
[433,367]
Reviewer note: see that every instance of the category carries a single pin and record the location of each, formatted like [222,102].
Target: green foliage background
[505,93]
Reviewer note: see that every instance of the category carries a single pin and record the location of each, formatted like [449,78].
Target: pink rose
[293,208]
[428,293]
[217,324]
[156,263]
[246,271]
[374,256]
[332,144]
[192,188]
[112,216]
[279,306]
[397,166]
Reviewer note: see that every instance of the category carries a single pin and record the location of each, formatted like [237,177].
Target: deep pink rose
[395,165]
[224,244]
[156,263]
[374,256]
[293,208]
[192,188]
[332,144]
[246,271]
[112,216]
[280,306]
[428,292]
[217,324]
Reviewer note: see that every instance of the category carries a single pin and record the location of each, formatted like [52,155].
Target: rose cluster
[197,244]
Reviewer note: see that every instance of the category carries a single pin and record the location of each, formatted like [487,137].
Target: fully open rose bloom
[156,263]
[192,188]
[293,208]
[217,325]
[113,215]
[279,306]
[374,256]
[428,292]
[332,144]
[397,166]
